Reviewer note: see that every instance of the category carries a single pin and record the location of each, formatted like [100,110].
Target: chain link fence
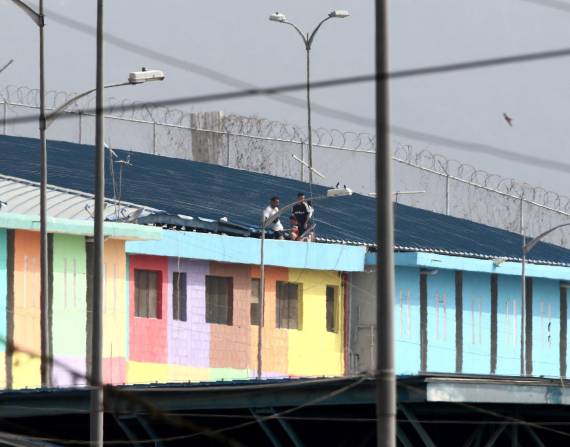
[422,179]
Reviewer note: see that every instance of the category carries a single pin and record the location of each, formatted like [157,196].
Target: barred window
[179,296]
[254,305]
[332,309]
[288,305]
[219,300]
[147,301]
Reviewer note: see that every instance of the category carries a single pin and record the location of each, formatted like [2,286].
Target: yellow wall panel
[145,372]
[26,371]
[313,351]
[114,303]
[181,373]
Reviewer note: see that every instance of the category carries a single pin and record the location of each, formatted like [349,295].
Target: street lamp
[265,223]
[135,78]
[308,41]
[38,18]
[526,248]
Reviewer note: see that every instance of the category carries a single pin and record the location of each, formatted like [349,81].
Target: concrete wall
[461,342]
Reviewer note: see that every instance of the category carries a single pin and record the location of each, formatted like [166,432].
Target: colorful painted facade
[174,344]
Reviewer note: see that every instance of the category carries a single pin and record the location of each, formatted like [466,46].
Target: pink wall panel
[148,336]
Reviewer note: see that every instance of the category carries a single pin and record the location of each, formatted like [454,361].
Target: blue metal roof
[212,192]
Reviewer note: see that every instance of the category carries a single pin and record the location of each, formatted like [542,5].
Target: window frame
[179,300]
[335,329]
[280,321]
[211,316]
[253,296]
[141,312]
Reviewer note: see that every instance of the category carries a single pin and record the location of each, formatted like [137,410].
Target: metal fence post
[154,137]
[446,193]
[228,149]
[80,127]
[302,158]
[4,119]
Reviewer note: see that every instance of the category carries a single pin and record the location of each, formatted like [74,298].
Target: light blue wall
[407,320]
[508,325]
[441,322]
[3,287]
[243,250]
[546,328]
[476,323]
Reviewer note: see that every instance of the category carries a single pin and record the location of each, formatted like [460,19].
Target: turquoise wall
[441,321]
[508,325]
[476,323]
[407,320]
[546,328]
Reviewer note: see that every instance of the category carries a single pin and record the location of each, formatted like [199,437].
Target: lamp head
[278,17]
[138,77]
[339,14]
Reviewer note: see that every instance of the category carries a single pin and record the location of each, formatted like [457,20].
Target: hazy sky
[236,38]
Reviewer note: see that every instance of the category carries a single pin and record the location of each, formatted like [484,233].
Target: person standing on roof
[302,212]
[271,210]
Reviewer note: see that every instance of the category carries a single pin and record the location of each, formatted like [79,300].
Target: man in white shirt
[271,210]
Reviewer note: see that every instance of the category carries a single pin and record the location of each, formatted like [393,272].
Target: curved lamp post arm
[307,43]
[531,244]
[37,18]
[50,118]
[312,36]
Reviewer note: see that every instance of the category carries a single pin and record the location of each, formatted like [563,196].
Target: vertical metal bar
[261,302]
[154,137]
[97,409]
[80,127]
[446,194]
[44,268]
[5,118]
[228,149]
[385,376]
[302,158]
[523,290]
[309,127]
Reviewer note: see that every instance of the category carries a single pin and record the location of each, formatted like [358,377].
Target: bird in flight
[508,119]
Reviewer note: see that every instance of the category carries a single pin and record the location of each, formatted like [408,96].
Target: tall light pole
[385,374]
[265,223]
[38,18]
[308,41]
[526,248]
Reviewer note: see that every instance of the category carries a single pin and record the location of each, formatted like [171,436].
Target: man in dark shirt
[301,212]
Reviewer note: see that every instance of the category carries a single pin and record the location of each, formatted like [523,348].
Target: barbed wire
[256,127]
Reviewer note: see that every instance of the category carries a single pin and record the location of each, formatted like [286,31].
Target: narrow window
[147,303]
[459,321]
[423,322]
[287,305]
[332,309]
[65,283]
[219,300]
[254,301]
[179,296]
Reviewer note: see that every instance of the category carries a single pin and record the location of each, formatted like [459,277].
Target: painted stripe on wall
[407,320]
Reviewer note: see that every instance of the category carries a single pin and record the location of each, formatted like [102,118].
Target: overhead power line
[290,100]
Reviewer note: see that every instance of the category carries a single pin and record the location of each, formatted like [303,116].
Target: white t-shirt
[271,211]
